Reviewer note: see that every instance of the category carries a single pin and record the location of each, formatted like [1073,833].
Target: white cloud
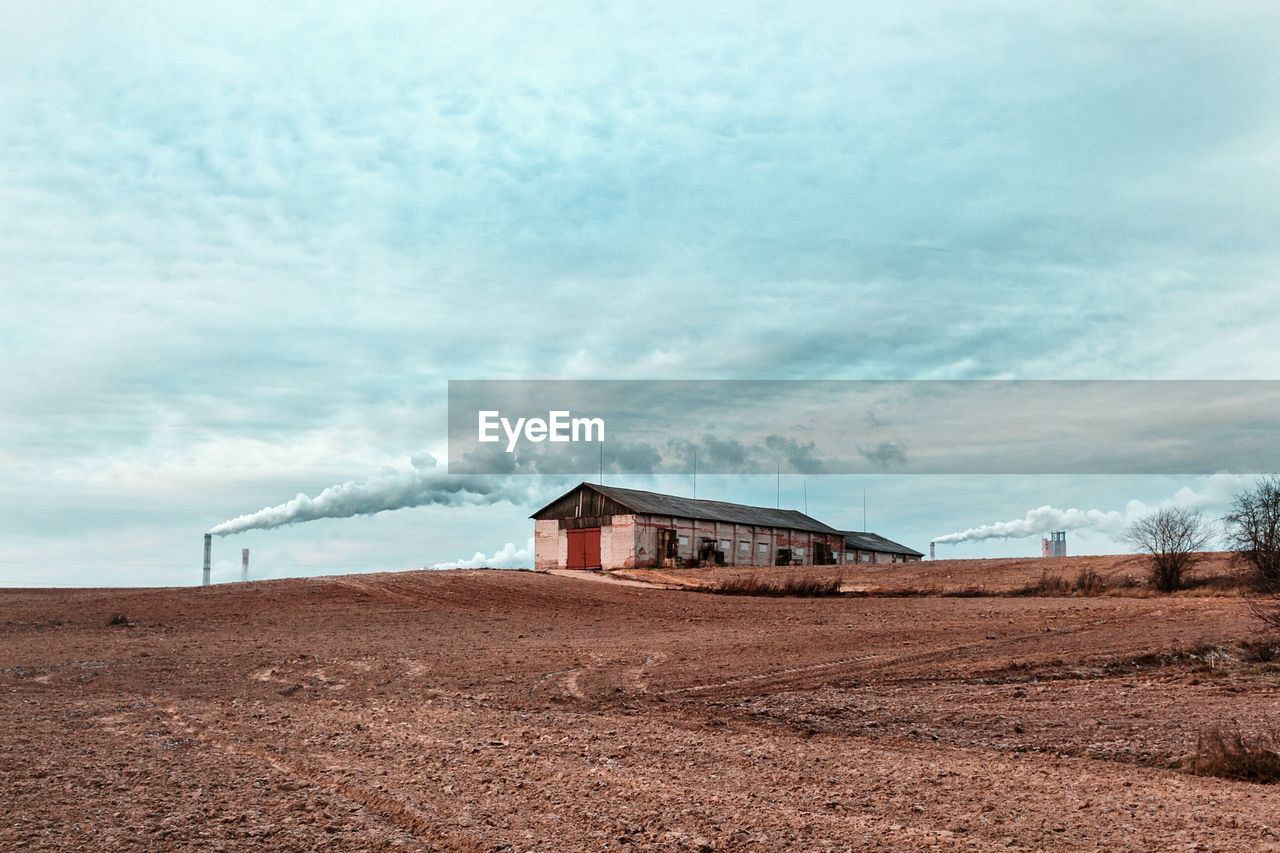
[506,557]
[242,252]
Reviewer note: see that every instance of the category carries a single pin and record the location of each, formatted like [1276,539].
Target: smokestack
[244,564]
[208,552]
[931,545]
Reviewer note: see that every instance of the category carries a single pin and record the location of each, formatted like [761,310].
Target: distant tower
[1054,545]
[244,564]
[931,544]
[208,552]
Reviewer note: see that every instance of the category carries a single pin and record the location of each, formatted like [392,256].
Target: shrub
[738,586]
[1231,754]
[1049,584]
[1173,536]
[811,586]
[1089,582]
[800,586]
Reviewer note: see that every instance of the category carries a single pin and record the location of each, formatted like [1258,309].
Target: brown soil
[509,710]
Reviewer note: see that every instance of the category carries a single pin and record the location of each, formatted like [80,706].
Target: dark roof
[860,541]
[652,503]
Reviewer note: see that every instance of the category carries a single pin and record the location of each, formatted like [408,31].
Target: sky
[243,249]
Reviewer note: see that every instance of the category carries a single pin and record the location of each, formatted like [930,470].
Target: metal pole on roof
[695,473]
[602,463]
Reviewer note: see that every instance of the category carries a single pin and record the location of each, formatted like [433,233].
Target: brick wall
[550,545]
[632,542]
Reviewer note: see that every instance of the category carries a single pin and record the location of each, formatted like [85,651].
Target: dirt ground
[520,711]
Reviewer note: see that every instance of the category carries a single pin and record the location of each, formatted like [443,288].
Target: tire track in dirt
[769,678]
[637,677]
[631,679]
[373,589]
[826,671]
[548,676]
[392,810]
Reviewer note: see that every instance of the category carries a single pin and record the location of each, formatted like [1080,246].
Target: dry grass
[804,587]
[1232,754]
[1049,584]
[1089,582]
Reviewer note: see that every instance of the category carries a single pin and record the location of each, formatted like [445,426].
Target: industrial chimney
[244,564]
[931,544]
[208,552]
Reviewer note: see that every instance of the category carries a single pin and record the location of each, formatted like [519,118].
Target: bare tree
[1173,537]
[1252,530]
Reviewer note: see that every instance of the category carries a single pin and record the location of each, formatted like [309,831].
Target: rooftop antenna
[695,473]
[602,463]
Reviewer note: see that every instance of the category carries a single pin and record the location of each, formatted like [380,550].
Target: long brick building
[608,527]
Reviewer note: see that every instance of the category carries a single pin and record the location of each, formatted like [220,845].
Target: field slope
[512,710]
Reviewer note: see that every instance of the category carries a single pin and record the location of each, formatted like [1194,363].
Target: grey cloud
[885,455]
[800,457]
[631,458]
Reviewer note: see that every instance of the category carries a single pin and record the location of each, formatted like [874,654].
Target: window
[724,545]
[799,552]
[744,547]
[684,540]
[762,547]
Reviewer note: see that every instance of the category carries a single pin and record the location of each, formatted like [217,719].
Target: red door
[584,548]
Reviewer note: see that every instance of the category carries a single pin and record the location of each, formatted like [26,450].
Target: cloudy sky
[243,251]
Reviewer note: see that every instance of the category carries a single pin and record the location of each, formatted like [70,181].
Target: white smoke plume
[506,557]
[421,485]
[1216,494]
[1039,521]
